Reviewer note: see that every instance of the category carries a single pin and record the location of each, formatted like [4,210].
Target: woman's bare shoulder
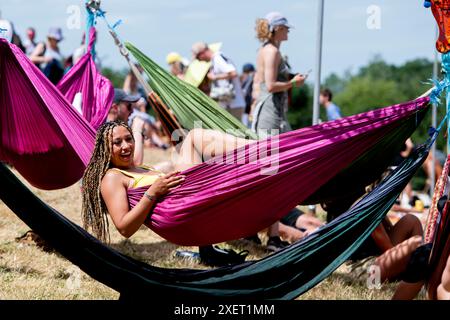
[270,48]
[113,177]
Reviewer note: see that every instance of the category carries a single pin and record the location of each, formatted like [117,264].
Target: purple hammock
[97,92]
[50,143]
[42,135]
[225,201]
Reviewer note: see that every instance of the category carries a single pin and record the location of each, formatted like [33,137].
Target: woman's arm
[127,84]
[114,193]
[272,59]
[222,76]
[138,135]
[36,55]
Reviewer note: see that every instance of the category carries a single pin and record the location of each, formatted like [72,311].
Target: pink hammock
[42,135]
[97,92]
[220,202]
[50,143]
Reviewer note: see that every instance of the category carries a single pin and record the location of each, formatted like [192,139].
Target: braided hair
[94,212]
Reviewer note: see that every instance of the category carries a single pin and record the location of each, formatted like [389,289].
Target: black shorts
[291,218]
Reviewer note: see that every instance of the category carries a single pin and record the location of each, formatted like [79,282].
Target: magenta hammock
[96,91]
[50,143]
[42,135]
[225,201]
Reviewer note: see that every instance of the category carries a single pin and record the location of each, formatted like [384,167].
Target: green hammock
[188,103]
[283,275]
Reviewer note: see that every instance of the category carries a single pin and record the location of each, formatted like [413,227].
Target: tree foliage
[375,85]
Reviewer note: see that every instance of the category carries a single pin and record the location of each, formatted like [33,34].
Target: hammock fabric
[165,116]
[97,92]
[225,200]
[62,141]
[187,102]
[189,105]
[42,135]
[283,275]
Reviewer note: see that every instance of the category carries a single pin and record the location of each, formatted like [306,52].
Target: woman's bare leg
[394,261]
[308,222]
[408,226]
[203,144]
[289,233]
[407,291]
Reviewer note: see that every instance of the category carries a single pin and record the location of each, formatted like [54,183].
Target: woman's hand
[298,80]
[165,184]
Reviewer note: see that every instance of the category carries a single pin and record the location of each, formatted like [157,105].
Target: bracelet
[150,196]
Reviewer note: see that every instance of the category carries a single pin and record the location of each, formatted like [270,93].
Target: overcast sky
[354,30]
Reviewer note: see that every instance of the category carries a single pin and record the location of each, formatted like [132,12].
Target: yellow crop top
[141,179]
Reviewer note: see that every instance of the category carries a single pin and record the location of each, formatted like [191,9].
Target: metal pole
[433,124]
[316,105]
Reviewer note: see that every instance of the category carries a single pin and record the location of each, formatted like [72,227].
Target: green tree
[365,93]
[117,77]
[299,113]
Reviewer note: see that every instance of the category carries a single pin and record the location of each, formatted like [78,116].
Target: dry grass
[27,272]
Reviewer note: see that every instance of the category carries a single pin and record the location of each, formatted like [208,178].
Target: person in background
[270,90]
[272,76]
[247,77]
[226,88]
[30,43]
[176,64]
[153,136]
[6,30]
[333,111]
[80,51]
[48,56]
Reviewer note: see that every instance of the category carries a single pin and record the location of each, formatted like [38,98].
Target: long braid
[94,211]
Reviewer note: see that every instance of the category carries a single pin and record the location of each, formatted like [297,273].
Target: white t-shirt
[222,64]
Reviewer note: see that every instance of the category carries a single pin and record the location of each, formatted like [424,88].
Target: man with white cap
[226,87]
[6,30]
[48,56]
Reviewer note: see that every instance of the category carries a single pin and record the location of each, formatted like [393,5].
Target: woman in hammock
[111,172]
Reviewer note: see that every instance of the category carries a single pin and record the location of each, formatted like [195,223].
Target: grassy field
[28,272]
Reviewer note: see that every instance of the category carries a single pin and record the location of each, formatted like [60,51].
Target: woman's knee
[195,133]
[413,224]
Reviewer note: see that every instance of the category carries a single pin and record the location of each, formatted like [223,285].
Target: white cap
[55,33]
[6,30]
[277,19]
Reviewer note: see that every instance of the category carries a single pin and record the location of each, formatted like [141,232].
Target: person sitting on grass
[389,247]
